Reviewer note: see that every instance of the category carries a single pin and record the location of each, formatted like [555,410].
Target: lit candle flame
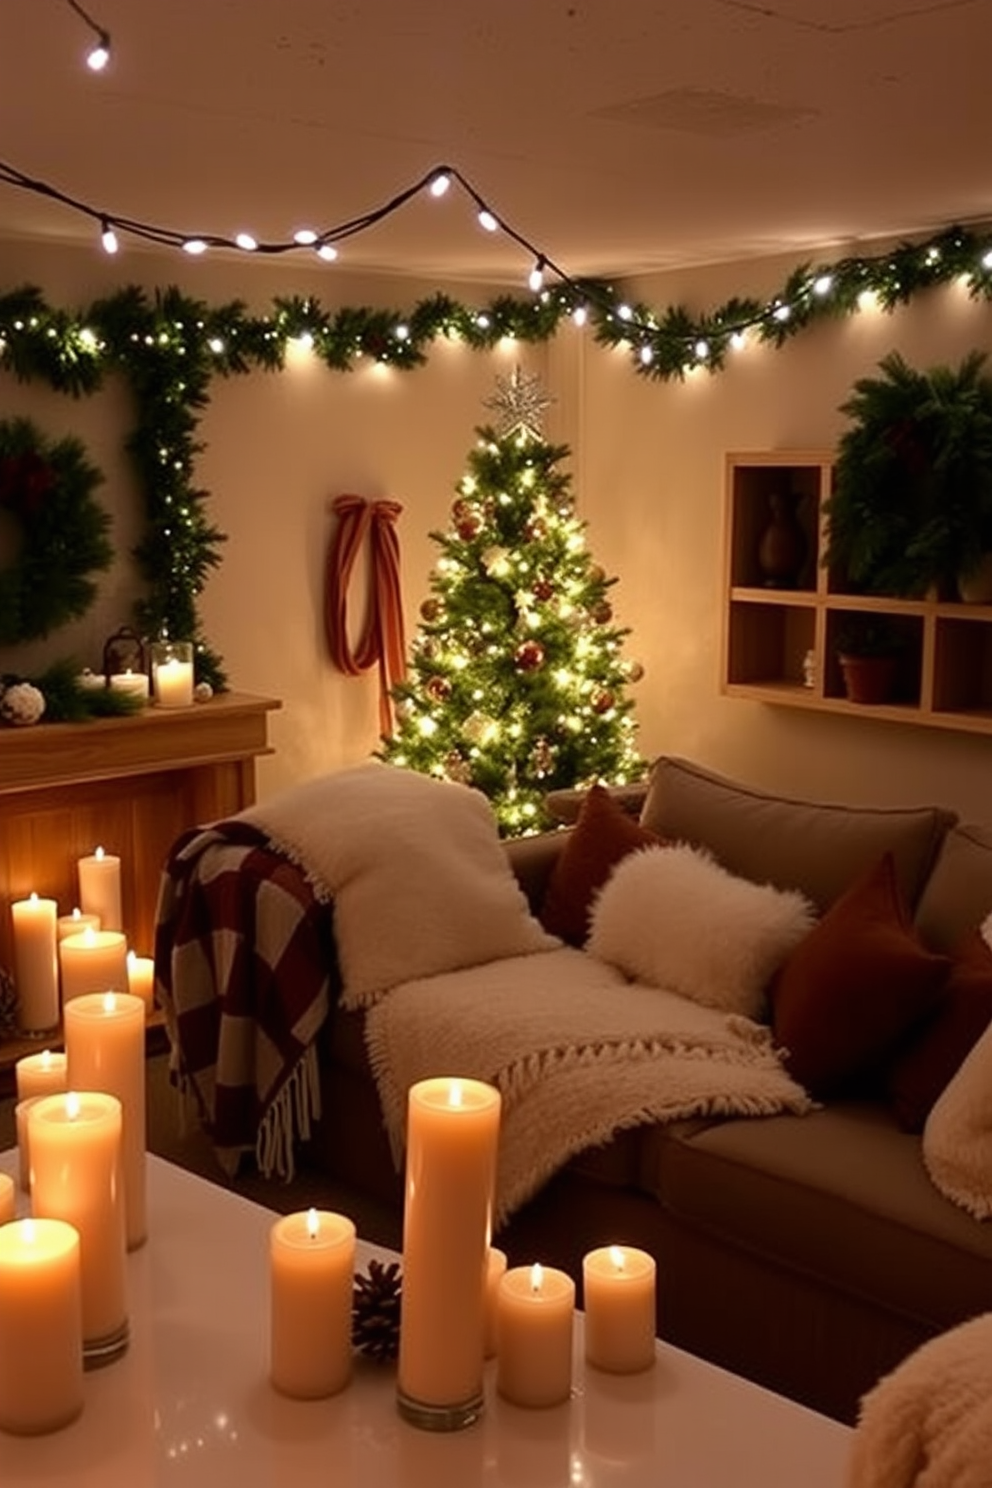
[110,1002]
[46,1058]
[455,1093]
[98,853]
[34,896]
[536,1277]
[28,1232]
[89,936]
[617,1258]
[72,1105]
[313,1224]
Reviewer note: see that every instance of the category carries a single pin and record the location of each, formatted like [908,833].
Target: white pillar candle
[36,973]
[172,673]
[41,1353]
[21,1110]
[495,1271]
[618,1298]
[105,1050]
[93,961]
[535,1313]
[135,683]
[40,1074]
[452,1137]
[76,1176]
[8,1199]
[312,1268]
[100,887]
[141,979]
[76,923]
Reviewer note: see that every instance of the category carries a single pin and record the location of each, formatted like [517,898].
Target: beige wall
[648,467]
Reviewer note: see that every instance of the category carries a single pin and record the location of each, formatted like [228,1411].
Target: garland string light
[98,55]
[170,347]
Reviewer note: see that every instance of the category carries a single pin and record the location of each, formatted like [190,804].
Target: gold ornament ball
[635,671]
[430,609]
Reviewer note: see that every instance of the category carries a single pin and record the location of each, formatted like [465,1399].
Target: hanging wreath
[58,531]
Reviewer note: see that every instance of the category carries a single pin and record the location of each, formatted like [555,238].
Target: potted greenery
[911,507]
[868,649]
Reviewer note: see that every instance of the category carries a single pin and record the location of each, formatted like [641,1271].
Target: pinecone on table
[376,1304]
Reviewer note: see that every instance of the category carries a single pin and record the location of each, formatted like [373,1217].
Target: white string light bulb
[247,242]
[327,252]
[488,221]
[440,184]
[305,236]
[108,238]
[194,246]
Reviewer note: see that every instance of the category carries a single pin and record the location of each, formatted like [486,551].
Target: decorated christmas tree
[517,679]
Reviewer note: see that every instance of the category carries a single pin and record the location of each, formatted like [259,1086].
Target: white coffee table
[190,1404]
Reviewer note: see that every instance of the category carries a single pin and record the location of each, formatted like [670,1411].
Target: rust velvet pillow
[603,834]
[854,987]
[923,1068]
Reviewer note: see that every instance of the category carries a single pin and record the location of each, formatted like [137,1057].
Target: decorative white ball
[22,704]
[203,692]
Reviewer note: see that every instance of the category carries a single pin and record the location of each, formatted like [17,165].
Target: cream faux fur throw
[928,1424]
[576,1051]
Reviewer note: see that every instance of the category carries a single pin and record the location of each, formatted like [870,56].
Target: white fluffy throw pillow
[419,879]
[957,1138]
[674,918]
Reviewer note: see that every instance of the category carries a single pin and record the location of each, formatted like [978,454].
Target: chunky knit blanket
[576,1051]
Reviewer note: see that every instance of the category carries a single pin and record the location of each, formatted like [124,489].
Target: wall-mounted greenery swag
[169,347]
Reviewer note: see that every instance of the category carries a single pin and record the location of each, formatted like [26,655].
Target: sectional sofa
[808,1252]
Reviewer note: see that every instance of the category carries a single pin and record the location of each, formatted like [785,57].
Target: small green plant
[869,635]
[912,501]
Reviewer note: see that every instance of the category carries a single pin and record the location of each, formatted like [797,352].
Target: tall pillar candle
[100,887]
[41,1350]
[93,961]
[76,1176]
[105,1050]
[36,974]
[312,1269]
[618,1296]
[452,1137]
[495,1271]
[535,1314]
[43,1073]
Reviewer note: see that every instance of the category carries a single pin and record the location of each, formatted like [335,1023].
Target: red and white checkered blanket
[245,970]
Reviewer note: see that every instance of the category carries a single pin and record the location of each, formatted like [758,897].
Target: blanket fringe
[288,1119]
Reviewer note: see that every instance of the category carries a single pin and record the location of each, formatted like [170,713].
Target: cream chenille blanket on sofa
[577,1053]
[435,938]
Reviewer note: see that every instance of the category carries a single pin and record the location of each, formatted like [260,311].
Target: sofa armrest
[532,859]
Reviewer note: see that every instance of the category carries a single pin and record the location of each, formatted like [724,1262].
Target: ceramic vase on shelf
[975,587]
[782,546]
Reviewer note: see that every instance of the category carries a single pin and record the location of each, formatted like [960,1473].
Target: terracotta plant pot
[869,679]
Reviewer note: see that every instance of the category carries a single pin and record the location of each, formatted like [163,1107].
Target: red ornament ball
[438,689]
[430,609]
[543,589]
[468,527]
[602,613]
[602,700]
[529,656]
[460,510]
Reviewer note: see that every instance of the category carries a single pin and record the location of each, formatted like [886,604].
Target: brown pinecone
[376,1304]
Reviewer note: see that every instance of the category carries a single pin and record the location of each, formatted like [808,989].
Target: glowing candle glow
[93,961]
[535,1311]
[100,887]
[40,1074]
[312,1264]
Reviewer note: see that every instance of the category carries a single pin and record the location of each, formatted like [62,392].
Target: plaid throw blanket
[245,970]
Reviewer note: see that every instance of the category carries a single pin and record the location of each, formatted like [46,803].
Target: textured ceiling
[615,135]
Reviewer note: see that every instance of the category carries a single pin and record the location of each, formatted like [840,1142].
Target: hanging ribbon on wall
[382,639]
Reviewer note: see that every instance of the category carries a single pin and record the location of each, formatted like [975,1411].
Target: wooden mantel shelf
[231,726]
[130,785]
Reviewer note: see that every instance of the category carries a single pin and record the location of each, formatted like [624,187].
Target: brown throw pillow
[854,987]
[603,834]
[924,1066]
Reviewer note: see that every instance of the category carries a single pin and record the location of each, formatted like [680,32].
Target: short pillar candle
[495,1271]
[36,967]
[141,979]
[535,1315]
[41,1350]
[312,1268]
[93,961]
[75,1144]
[105,1050]
[40,1074]
[452,1137]
[76,922]
[618,1286]
[100,887]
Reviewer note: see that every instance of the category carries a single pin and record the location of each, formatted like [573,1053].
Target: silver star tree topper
[519,403]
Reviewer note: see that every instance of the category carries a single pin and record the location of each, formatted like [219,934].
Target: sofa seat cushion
[817,848]
[840,1196]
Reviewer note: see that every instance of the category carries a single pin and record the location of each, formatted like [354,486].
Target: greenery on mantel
[169,347]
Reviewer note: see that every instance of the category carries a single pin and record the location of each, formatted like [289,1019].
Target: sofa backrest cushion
[603,834]
[855,987]
[958,894]
[817,848]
